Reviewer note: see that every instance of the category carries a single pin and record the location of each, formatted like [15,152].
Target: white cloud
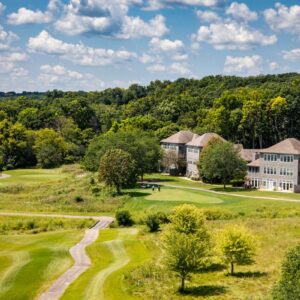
[273,65]
[6,38]
[284,18]
[166,45]
[241,11]
[208,16]
[27,16]
[57,73]
[180,68]
[247,65]
[108,18]
[8,64]
[147,59]
[2,8]
[157,68]
[159,4]
[232,35]
[292,55]
[14,57]
[78,53]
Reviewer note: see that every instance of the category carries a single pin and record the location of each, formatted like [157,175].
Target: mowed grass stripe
[38,260]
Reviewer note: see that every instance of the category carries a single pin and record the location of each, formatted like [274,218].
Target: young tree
[221,161]
[289,285]
[186,242]
[117,168]
[237,246]
[49,148]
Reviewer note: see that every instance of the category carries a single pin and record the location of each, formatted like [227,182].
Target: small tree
[153,222]
[237,246]
[289,285]
[117,168]
[124,218]
[186,241]
[221,161]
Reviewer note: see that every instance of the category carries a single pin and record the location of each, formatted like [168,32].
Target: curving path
[82,261]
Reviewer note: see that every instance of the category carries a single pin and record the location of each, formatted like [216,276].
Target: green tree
[186,242]
[49,148]
[237,246]
[288,286]
[29,118]
[221,161]
[118,169]
[124,218]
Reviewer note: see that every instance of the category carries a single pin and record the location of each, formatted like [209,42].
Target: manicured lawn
[29,263]
[32,176]
[116,252]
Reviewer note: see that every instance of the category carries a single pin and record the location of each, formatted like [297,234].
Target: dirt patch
[3,176]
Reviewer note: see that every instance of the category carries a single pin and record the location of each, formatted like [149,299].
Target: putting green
[168,194]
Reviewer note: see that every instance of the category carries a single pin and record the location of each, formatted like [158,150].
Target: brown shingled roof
[247,154]
[202,140]
[287,146]
[254,163]
[181,137]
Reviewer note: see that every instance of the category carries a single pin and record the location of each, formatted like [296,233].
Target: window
[286,171]
[286,158]
[286,185]
[190,149]
[253,169]
[270,170]
[255,182]
[270,157]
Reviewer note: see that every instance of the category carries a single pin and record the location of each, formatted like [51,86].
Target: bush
[153,222]
[289,285]
[78,198]
[212,214]
[237,182]
[124,218]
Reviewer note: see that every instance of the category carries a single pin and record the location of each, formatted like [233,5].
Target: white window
[286,185]
[269,184]
[286,158]
[270,157]
[270,170]
[196,150]
[255,182]
[190,149]
[286,172]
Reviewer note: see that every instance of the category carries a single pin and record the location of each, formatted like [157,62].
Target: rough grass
[153,281]
[30,263]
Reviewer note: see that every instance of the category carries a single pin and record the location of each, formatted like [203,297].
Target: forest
[56,127]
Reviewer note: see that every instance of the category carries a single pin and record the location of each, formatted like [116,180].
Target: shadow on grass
[231,190]
[249,274]
[137,194]
[213,268]
[157,180]
[204,290]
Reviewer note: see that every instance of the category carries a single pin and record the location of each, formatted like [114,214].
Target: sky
[96,44]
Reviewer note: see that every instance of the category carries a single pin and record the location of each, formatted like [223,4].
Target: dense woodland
[57,127]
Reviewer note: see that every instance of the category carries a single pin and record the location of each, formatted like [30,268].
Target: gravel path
[3,176]
[82,261]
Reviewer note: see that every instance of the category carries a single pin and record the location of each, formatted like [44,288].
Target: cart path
[81,259]
[227,194]
[3,176]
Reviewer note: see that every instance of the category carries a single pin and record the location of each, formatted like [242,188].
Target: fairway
[116,252]
[29,263]
[169,194]
[32,176]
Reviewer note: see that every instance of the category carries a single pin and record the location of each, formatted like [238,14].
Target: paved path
[82,261]
[47,215]
[3,176]
[228,194]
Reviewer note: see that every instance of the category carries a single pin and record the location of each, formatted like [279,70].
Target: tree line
[254,111]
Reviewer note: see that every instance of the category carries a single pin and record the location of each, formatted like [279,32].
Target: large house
[277,168]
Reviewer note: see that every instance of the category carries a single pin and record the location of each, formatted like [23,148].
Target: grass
[30,263]
[152,281]
[117,251]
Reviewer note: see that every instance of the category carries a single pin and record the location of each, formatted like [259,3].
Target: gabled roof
[247,154]
[254,163]
[181,137]
[202,140]
[287,146]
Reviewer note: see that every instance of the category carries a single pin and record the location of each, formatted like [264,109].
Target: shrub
[124,218]
[212,214]
[78,198]
[237,182]
[289,285]
[153,222]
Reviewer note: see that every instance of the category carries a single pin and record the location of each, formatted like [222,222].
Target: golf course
[127,263]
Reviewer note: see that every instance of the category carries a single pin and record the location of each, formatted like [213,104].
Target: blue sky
[96,44]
